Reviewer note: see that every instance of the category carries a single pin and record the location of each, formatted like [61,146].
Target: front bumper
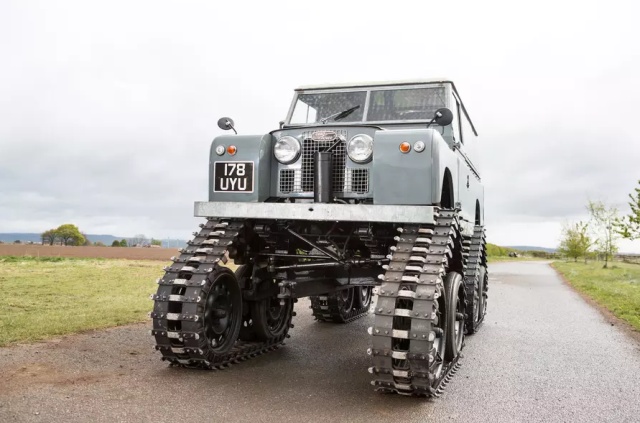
[317,211]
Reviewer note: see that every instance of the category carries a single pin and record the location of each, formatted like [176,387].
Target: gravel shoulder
[543,355]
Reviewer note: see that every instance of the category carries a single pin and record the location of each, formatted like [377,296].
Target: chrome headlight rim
[368,157]
[292,141]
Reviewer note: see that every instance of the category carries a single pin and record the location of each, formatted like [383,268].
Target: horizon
[111,130]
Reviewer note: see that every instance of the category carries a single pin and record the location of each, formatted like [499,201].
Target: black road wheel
[455,309]
[271,317]
[482,301]
[440,327]
[346,300]
[222,316]
[364,296]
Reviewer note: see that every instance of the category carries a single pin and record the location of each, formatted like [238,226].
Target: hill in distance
[9,238]
[531,248]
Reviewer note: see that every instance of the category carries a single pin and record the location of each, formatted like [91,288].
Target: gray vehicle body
[365,190]
[396,186]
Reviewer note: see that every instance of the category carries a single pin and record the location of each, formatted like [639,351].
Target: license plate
[233,177]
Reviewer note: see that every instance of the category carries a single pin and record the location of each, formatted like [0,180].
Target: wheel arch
[447,195]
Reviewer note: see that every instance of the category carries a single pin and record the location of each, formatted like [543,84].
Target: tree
[86,239]
[575,242]
[115,243]
[70,234]
[49,237]
[123,243]
[629,226]
[156,242]
[138,240]
[99,244]
[603,220]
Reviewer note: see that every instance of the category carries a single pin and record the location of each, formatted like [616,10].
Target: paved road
[542,355]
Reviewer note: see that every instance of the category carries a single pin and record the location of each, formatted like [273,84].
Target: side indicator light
[231,150]
[405,147]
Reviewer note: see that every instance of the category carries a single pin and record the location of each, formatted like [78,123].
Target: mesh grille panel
[290,181]
[357,181]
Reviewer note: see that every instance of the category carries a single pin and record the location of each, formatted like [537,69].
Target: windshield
[311,108]
[384,105]
[405,104]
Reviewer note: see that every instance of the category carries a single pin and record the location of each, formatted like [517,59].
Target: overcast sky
[107,109]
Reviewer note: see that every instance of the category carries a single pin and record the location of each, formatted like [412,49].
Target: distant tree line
[69,234]
[139,240]
[598,237]
[66,234]
[497,251]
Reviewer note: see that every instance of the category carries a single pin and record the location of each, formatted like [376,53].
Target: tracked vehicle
[364,189]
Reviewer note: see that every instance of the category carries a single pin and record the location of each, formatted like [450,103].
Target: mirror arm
[230,125]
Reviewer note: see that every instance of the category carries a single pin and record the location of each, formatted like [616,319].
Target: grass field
[617,289]
[494,259]
[48,297]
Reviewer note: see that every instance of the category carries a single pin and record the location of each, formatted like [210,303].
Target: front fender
[250,148]
[400,178]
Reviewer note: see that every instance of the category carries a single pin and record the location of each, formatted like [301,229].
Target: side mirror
[442,117]
[226,123]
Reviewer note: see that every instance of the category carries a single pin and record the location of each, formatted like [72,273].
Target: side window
[465,128]
[471,143]
[460,119]
[455,124]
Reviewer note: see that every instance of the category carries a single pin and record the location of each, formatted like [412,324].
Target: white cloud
[108,108]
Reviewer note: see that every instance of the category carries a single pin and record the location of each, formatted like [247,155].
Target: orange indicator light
[231,149]
[405,147]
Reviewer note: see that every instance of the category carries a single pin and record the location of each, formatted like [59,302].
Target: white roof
[373,84]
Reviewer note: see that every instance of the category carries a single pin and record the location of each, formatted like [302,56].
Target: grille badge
[323,135]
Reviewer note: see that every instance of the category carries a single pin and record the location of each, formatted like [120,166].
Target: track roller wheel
[346,299]
[484,285]
[454,314]
[364,294]
[271,317]
[221,311]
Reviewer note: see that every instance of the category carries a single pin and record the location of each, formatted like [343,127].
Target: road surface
[543,355]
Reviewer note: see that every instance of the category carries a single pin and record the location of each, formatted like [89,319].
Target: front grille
[309,149]
[345,180]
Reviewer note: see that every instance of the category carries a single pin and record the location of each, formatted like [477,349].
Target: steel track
[477,258]
[177,315]
[326,308]
[405,359]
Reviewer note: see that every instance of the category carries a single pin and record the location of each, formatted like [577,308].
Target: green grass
[46,297]
[494,259]
[617,288]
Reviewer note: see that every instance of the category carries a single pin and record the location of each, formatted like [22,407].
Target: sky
[108,109]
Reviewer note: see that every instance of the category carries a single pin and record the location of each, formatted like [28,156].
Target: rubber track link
[477,258]
[177,325]
[418,264]
[326,308]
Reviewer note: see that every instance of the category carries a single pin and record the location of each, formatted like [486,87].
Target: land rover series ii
[364,189]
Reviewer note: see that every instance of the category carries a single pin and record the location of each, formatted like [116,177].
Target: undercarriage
[430,280]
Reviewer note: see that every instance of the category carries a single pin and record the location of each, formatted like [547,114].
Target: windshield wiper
[340,115]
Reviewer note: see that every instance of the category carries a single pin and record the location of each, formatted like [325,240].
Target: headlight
[360,148]
[286,150]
